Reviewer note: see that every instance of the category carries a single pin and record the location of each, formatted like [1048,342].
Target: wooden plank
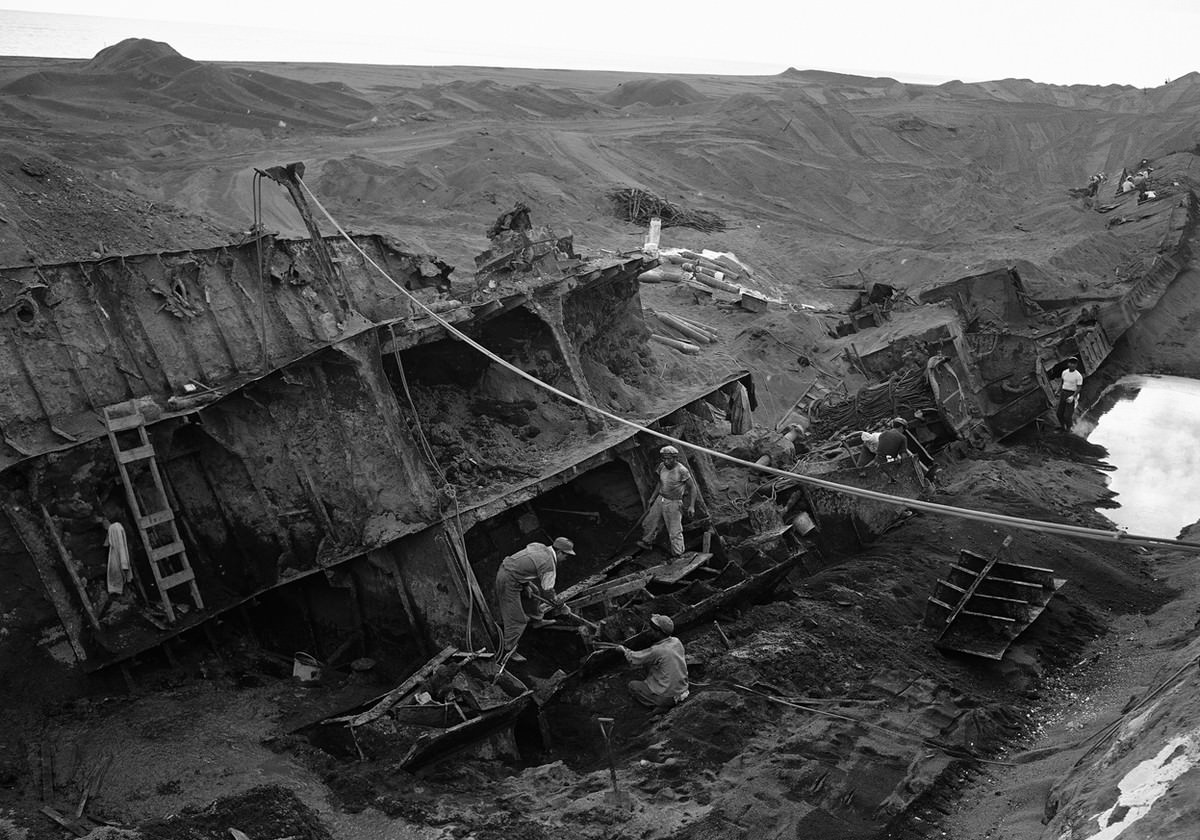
[622,586]
[122,424]
[71,571]
[988,616]
[152,519]
[178,579]
[673,572]
[165,551]
[138,453]
[63,821]
[397,694]
[68,616]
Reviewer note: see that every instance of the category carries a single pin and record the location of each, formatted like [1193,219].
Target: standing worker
[676,490]
[531,571]
[666,682]
[1068,393]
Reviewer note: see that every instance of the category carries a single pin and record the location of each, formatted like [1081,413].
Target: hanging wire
[997,519]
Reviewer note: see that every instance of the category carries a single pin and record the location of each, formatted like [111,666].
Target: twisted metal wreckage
[282,429]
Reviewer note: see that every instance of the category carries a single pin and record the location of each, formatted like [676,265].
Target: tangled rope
[904,393]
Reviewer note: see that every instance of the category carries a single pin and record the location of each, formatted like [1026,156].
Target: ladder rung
[121,424]
[989,616]
[158,518]
[138,453]
[165,551]
[171,581]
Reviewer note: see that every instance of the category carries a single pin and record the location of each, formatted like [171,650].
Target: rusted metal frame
[137,338]
[289,178]
[112,344]
[31,381]
[962,603]
[69,349]
[307,484]
[208,309]
[221,503]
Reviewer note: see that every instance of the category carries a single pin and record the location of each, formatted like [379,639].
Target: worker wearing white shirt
[1068,393]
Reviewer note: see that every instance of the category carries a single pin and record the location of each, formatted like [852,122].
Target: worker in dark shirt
[892,447]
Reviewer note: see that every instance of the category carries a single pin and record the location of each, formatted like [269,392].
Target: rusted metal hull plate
[982,605]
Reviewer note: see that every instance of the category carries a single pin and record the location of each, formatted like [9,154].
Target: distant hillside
[482,98]
[138,74]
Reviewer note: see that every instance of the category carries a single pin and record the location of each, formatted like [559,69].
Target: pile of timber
[720,272]
[695,333]
[639,206]
[454,700]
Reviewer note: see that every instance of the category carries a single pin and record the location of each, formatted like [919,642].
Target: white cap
[668,450]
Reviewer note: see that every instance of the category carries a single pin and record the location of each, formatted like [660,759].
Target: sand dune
[138,76]
[817,173]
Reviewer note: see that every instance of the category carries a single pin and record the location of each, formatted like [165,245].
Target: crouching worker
[666,682]
[524,583]
[892,447]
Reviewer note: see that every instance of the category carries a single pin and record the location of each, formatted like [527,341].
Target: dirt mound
[56,213]
[134,54]
[657,93]
[264,811]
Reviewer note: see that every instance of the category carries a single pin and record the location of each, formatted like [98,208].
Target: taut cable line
[997,519]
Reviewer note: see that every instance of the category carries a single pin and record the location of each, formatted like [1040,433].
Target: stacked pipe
[719,272]
[698,333]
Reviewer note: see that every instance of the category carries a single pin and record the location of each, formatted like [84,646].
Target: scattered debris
[640,206]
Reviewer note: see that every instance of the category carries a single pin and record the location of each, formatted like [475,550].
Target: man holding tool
[676,491]
[528,576]
[666,682]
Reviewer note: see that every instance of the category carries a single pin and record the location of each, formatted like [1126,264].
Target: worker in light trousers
[675,494]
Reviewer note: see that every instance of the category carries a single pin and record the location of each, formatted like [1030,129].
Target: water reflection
[1150,426]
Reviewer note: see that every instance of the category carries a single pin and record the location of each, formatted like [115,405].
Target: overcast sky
[1058,41]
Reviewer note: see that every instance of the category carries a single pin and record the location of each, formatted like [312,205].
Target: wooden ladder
[161,519]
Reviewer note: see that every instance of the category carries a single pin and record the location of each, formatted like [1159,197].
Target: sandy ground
[819,177]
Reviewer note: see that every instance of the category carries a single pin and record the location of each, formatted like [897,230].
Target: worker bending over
[666,682]
[1068,393]
[892,447]
[887,448]
[525,581]
[676,491]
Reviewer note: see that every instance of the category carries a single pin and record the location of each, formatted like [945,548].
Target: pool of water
[1150,426]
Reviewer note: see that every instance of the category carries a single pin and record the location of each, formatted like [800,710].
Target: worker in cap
[666,682]
[525,589]
[675,493]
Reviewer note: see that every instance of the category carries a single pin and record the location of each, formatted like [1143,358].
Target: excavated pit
[317,533]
